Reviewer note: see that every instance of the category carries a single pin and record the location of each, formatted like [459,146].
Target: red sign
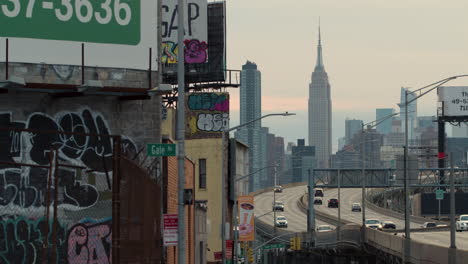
[218,255]
[170,229]
[229,244]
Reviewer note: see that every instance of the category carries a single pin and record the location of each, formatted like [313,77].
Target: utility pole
[181,134]
[311,215]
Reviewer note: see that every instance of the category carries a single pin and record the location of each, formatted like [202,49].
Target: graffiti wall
[207,114]
[196,31]
[84,189]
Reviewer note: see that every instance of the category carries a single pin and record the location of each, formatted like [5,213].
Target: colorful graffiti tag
[207,114]
[82,193]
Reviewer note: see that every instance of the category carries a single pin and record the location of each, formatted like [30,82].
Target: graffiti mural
[83,193]
[22,240]
[90,242]
[207,114]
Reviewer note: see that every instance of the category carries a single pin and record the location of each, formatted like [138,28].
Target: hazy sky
[371,48]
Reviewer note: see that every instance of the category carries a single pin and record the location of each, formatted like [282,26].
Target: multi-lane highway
[298,221]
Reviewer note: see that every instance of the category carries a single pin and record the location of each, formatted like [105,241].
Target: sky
[371,48]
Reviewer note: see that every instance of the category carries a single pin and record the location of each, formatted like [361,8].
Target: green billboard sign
[439,194]
[272,246]
[98,21]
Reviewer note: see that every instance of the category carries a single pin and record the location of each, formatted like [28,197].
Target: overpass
[426,247]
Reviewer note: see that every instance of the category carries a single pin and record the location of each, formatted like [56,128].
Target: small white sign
[455,100]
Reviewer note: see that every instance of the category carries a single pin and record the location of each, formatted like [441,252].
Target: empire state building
[320,113]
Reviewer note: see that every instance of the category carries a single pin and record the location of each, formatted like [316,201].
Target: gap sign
[161,150]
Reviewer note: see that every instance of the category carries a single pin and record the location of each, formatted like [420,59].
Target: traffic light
[293,243]
[250,256]
[298,243]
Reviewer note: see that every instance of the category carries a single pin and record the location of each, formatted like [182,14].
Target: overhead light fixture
[13,83]
[163,88]
[90,86]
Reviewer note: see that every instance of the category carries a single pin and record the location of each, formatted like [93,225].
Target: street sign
[439,194]
[171,222]
[272,246]
[160,150]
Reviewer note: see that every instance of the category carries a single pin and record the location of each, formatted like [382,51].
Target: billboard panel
[196,31]
[116,33]
[207,115]
[213,69]
[246,218]
[455,100]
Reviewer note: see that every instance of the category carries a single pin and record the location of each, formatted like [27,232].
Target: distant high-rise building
[250,109]
[320,111]
[352,126]
[384,120]
[303,160]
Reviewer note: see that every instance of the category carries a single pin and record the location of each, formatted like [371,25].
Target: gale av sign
[455,100]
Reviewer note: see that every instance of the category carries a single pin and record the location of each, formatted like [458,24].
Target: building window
[202,173]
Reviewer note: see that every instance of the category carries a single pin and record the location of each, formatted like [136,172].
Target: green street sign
[272,246]
[98,21]
[161,150]
[439,194]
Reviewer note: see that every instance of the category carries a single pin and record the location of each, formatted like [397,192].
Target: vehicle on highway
[324,228]
[388,225]
[278,206]
[318,200]
[281,221]
[373,223]
[278,189]
[333,203]
[462,223]
[428,225]
[356,207]
[318,192]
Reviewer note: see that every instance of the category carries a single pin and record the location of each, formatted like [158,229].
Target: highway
[298,221]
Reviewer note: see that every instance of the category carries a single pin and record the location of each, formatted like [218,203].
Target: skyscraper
[384,120]
[250,109]
[320,115]
[352,126]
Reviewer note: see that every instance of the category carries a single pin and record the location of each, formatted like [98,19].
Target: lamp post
[430,88]
[223,176]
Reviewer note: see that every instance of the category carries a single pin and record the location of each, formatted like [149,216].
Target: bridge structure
[426,245]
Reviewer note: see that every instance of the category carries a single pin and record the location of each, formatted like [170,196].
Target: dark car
[388,225]
[333,203]
[318,200]
[318,192]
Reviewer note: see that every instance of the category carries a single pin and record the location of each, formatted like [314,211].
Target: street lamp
[223,177]
[430,88]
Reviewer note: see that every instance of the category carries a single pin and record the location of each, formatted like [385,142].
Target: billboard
[246,218]
[115,33]
[196,31]
[207,115]
[454,99]
[213,69]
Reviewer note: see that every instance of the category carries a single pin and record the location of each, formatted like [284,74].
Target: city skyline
[373,49]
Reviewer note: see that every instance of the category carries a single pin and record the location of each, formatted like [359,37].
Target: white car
[428,225]
[373,223]
[462,223]
[281,221]
[324,228]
